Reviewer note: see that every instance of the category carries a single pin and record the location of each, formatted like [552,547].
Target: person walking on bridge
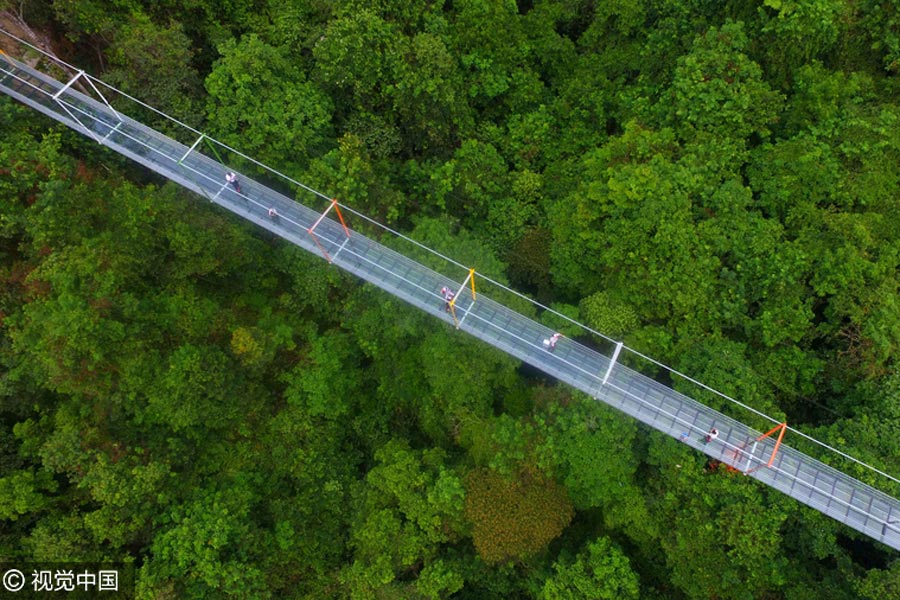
[447,293]
[231,178]
[550,343]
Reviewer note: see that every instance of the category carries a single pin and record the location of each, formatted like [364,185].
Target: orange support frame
[337,209]
[781,429]
[311,231]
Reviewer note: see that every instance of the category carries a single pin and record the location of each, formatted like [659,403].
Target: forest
[714,182]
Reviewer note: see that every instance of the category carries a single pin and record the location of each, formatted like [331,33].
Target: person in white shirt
[550,343]
[231,178]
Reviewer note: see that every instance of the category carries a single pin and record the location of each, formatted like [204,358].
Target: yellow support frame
[470,279]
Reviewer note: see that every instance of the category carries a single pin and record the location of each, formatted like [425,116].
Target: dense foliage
[716,183]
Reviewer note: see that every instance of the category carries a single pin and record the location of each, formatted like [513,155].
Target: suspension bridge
[74,98]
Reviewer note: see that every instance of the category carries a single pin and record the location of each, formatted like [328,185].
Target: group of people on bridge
[232,180]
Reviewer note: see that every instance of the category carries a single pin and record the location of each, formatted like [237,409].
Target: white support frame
[464,317]
[463,286]
[221,189]
[459,322]
[68,85]
[191,149]
[750,458]
[312,227]
[112,131]
[102,97]
[341,247]
[88,131]
[62,105]
[63,89]
[612,362]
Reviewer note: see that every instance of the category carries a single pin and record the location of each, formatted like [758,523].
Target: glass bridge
[744,449]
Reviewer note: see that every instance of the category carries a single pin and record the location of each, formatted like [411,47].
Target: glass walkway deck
[792,472]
